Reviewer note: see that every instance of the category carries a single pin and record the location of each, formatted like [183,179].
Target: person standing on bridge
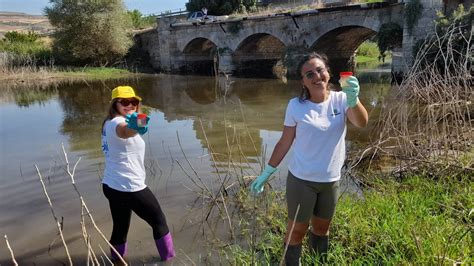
[124,176]
[316,123]
[204,12]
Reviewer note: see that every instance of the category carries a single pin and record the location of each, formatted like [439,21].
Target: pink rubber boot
[165,247]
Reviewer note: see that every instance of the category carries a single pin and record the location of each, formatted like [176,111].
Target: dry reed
[426,124]
[11,251]
[85,212]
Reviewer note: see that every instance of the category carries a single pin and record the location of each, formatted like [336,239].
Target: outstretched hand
[131,120]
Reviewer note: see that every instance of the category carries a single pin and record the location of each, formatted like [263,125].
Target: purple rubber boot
[165,247]
[121,249]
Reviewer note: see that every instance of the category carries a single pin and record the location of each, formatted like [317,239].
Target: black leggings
[143,203]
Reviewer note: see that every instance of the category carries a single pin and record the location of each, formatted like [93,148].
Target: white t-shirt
[319,147]
[124,159]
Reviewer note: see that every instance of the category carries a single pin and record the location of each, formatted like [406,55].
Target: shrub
[90,32]
[139,21]
[368,49]
[221,7]
[15,37]
[390,36]
[25,49]
[453,34]
[413,10]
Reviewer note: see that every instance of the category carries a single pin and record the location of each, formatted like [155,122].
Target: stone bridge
[265,45]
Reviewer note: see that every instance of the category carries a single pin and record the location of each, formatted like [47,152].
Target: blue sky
[35,7]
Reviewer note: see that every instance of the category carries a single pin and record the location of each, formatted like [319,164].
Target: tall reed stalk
[11,251]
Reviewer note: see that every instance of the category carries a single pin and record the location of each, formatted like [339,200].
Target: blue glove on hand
[131,120]
[257,185]
[352,91]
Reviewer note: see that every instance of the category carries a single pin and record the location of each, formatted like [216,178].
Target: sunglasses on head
[126,102]
[312,73]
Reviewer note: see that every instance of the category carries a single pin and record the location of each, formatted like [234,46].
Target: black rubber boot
[319,245]
[292,256]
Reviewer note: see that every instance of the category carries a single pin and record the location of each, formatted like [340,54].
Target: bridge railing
[173,13]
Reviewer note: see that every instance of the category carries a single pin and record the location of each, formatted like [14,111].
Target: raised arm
[358,115]
[124,132]
[356,112]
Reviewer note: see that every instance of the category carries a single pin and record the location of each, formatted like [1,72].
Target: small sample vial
[343,76]
[141,120]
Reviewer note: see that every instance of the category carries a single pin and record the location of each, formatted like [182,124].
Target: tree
[139,21]
[90,32]
[221,7]
[453,39]
[390,36]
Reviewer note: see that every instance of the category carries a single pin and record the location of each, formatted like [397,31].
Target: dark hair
[312,55]
[113,111]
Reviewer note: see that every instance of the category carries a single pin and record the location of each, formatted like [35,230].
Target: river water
[202,132]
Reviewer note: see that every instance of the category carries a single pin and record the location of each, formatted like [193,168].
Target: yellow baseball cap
[124,92]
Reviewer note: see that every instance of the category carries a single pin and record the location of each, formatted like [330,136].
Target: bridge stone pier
[266,44]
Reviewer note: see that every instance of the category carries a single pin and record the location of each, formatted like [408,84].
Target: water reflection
[227,116]
[83,108]
[27,96]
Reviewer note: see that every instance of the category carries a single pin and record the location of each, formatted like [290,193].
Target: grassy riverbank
[28,57]
[52,74]
[415,221]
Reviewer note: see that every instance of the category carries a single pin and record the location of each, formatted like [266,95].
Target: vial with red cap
[343,76]
[141,120]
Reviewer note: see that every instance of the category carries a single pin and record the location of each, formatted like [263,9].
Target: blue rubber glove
[257,185]
[352,91]
[131,120]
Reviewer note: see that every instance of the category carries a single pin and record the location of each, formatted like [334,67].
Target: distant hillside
[15,21]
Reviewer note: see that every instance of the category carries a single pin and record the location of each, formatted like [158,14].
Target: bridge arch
[339,50]
[370,23]
[259,49]
[340,40]
[185,41]
[199,56]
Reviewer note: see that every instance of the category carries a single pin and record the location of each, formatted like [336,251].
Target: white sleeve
[289,117]
[113,125]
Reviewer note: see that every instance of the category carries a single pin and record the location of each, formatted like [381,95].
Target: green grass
[417,221]
[368,55]
[26,52]
[365,59]
[24,48]
[95,72]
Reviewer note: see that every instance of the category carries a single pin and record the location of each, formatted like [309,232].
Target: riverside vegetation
[87,43]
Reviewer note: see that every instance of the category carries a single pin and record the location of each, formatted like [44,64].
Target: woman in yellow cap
[124,176]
